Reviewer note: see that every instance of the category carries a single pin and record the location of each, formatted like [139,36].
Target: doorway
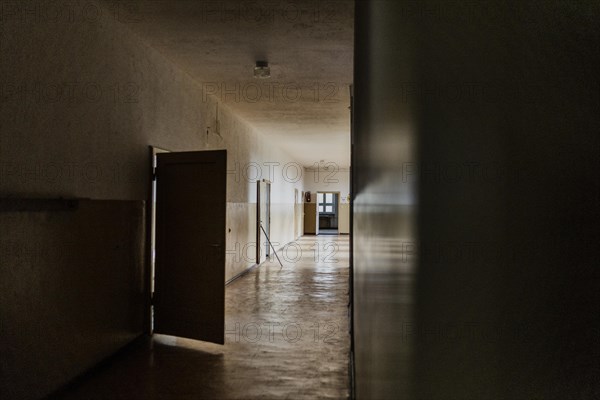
[151,236]
[155,151]
[328,213]
[295,214]
[263,220]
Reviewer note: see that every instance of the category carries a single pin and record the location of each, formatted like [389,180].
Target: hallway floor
[286,338]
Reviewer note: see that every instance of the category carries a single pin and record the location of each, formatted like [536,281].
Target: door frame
[296,213]
[149,245]
[337,210]
[268,211]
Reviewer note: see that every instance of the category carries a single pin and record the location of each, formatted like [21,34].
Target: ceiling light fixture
[262,70]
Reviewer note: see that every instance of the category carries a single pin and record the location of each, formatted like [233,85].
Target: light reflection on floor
[286,337]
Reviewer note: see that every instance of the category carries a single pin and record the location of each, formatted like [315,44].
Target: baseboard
[139,340]
[239,275]
[253,267]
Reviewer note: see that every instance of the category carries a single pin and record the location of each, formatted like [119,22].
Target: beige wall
[344,219]
[81,102]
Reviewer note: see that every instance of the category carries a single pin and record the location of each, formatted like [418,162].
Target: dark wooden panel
[71,291]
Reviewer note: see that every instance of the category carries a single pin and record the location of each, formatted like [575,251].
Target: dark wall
[72,289]
[503,101]
[384,201]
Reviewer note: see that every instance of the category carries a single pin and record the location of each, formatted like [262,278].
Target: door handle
[215,245]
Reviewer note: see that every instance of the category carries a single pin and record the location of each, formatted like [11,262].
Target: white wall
[92,142]
[333,180]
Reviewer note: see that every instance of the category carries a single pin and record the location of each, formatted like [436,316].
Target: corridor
[286,338]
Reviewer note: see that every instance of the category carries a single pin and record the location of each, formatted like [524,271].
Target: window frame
[322,206]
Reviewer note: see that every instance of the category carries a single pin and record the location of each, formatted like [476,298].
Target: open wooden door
[189,297]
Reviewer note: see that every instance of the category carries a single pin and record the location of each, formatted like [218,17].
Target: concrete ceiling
[304,106]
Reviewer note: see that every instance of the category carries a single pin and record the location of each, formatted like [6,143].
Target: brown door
[189,297]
